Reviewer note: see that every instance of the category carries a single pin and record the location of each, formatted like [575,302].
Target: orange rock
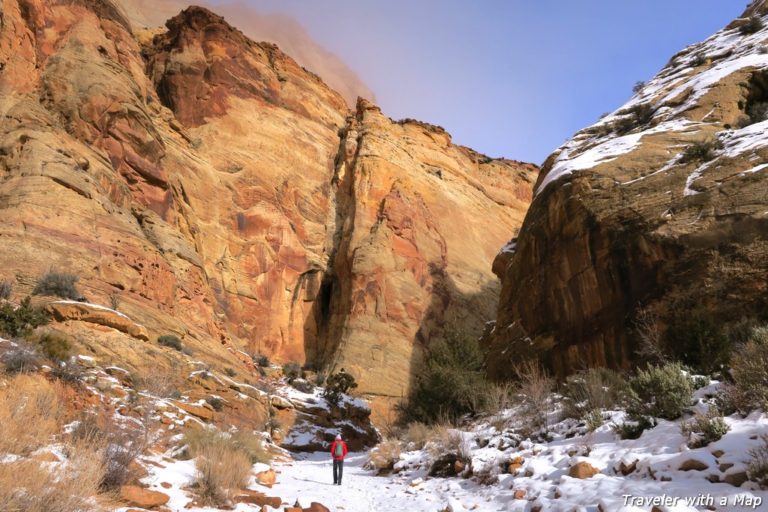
[316,507]
[140,497]
[582,470]
[267,478]
[519,494]
[195,410]
[257,498]
[165,485]
[693,465]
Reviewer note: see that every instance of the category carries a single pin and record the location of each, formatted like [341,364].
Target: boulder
[736,478]
[582,470]
[92,313]
[139,497]
[267,478]
[693,465]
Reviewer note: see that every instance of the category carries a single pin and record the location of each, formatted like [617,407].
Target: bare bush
[21,358]
[534,388]
[757,469]
[651,347]
[417,435]
[221,467]
[384,457]
[6,289]
[498,397]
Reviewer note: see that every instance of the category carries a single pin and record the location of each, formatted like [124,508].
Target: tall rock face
[223,193]
[660,207]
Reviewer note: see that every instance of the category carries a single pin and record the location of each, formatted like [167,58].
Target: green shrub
[337,385]
[262,361]
[660,392]
[215,402]
[634,427]
[697,339]
[169,340]
[701,151]
[58,284]
[593,390]
[20,321]
[54,346]
[292,370]
[449,382]
[749,369]
[704,429]
[754,24]
[6,289]
[635,117]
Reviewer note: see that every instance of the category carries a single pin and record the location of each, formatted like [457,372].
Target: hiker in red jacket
[338,452]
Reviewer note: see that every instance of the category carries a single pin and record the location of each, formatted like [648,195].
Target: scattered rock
[267,478]
[165,485]
[445,466]
[693,465]
[736,479]
[725,466]
[144,498]
[257,498]
[203,413]
[519,494]
[627,468]
[515,465]
[316,507]
[582,470]
[718,453]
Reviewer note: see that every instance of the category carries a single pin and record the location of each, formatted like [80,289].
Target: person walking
[338,452]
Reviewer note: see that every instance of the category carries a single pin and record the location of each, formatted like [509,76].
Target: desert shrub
[660,392]
[30,413]
[701,151]
[704,429]
[757,468]
[754,24]
[121,446]
[338,384]
[749,369]
[633,427]
[634,117]
[448,382]
[230,372]
[699,59]
[114,300]
[385,455]
[534,388]
[417,435]
[302,385]
[21,320]
[68,371]
[292,370]
[698,339]
[6,289]
[21,358]
[57,284]
[593,390]
[54,346]
[650,347]
[251,445]
[215,402]
[222,467]
[28,486]
[496,398]
[639,85]
[320,379]
[594,420]
[171,341]
[261,360]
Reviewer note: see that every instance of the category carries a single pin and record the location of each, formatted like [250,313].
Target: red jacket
[343,448]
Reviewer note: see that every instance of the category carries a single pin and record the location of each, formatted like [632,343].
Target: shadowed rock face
[227,195]
[622,220]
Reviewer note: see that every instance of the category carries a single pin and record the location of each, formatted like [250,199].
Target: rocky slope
[660,207]
[219,191]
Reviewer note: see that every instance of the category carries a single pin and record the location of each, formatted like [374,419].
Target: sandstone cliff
[227,195]
[659,206]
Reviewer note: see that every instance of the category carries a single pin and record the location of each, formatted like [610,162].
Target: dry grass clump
[534,388]
[71,486]
[30,413]
[222,468]
[385,455]
[417,435]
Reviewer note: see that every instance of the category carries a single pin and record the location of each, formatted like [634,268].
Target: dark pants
[338,469]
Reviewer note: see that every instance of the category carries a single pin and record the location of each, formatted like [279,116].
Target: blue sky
[510,78]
